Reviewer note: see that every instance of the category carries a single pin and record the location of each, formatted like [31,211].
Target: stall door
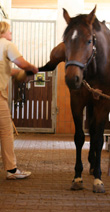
[33,101]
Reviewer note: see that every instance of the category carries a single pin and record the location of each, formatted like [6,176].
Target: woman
[9,54]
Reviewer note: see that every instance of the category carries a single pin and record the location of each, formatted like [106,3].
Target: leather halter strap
[75,63]
[81,65]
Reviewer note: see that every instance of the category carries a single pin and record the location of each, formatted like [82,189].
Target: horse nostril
[76,79]
[73,82]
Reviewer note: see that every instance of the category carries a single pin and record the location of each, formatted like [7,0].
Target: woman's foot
[17,175]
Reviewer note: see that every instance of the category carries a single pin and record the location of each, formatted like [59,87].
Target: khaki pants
[6,136]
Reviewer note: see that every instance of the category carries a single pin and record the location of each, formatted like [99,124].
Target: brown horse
[86,52]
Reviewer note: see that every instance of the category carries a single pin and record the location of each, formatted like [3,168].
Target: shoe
[17,175]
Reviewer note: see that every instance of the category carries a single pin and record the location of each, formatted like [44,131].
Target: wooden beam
[35,4]
[97,1]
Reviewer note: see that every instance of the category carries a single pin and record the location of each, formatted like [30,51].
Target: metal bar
[27,41]
[34,42]
[38,41]
[23,39]
[46,42]
[30,43]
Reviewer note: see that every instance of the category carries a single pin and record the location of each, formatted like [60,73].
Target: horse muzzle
[73,77]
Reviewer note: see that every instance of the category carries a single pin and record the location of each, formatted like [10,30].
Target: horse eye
[89,41]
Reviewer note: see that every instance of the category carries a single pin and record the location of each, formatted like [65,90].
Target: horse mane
[81,19]
[96,25]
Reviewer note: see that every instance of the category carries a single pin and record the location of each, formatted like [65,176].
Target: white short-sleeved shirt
[8,53]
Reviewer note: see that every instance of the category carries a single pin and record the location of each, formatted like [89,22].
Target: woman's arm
[23,64]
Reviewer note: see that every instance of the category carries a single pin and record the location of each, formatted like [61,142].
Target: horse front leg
[96,134]
[91,156]
[98,186]
[79,138]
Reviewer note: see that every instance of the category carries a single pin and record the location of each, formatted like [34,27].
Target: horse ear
[66,16]
[91,16]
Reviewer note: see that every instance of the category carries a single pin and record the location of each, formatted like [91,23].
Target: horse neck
[102,49]
[99,67]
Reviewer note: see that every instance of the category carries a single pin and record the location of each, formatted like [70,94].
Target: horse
[86,52]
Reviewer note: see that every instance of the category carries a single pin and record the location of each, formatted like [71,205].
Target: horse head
[79,47]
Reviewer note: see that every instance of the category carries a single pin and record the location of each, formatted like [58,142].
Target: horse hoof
[77,185]
[98,186]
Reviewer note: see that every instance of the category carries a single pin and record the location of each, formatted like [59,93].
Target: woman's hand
[19,74]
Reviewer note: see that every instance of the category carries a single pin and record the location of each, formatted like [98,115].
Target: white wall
[6,5]
[102,12]
[74,7]
[34,14]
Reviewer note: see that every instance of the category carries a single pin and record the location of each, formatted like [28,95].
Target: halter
[81,65]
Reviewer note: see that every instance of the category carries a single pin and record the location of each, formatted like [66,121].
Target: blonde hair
[4,26]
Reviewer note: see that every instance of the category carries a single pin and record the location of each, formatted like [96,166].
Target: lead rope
[96,92]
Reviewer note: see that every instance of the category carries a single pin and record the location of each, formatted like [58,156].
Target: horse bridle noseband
[81,65]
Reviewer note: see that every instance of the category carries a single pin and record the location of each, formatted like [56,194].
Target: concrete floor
[51,159]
